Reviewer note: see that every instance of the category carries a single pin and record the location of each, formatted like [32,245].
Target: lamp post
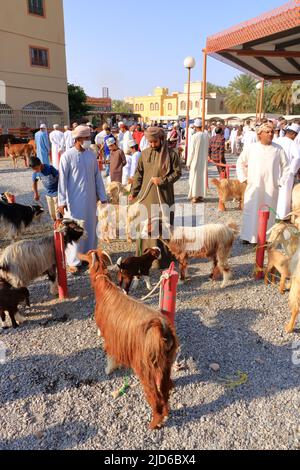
[189,63]
[258,88]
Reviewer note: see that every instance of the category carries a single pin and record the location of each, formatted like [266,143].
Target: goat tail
[160,349]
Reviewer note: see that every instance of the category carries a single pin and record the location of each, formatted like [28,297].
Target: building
[161,106]
[33,73]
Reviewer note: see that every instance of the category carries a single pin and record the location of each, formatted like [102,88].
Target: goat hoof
[289,329]
[108,371]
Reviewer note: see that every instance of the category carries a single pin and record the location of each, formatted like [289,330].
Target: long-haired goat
[135,336]
[27,260]
[213,241]
[228,190]
[286,236]
[15,218]
[294,299]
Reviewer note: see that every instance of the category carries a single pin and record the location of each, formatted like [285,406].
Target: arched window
[191,106]
[6,117]
[156,107]
[183,106]
[170,107]
[42,112]
[137,108]
[142,107]
[197,105]
[151,107]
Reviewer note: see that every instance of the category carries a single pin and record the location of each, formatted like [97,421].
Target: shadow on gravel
[61,437]
[237,348]
[50,374]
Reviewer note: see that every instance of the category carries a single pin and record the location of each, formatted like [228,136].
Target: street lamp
[260,102]
[189,63]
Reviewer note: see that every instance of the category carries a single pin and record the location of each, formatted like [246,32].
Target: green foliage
[241,95]
[78,106]
[119,106]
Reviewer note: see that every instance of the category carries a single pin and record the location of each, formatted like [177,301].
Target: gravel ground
[54,393]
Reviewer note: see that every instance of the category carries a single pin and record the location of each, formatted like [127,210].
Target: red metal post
[61,265]
[168,294]
[263,219]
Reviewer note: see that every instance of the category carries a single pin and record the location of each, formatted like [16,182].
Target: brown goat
[10,298]
[136,337]
[280,262]
[228,190]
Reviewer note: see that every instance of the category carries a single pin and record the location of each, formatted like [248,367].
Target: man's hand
[156,181]
[61,210]
[130,198]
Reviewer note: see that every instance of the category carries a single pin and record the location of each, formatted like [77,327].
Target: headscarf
[81,132]
[157,133]
[267,126]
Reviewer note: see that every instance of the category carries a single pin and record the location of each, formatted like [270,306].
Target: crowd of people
[268,159]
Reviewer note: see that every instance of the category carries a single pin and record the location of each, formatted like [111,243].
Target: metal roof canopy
[267,47]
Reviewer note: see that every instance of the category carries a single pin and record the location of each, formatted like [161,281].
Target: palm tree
[281,96]
[241,95]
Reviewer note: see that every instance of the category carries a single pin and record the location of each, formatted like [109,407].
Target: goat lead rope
[164,277]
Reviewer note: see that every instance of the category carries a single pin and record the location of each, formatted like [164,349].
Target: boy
[49,178]
[135,156]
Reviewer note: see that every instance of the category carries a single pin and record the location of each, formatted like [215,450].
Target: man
[57,143]
[43,145]
[197,163]
[216,150]
[48,175]
[247,127]
[138,134]
[158,170]
[117,161]
[264,166]
[250,137]
[233,140]
[125,137]
[80,187]
[94,134]
[99,140]
[292,151]
[68,138]
[108,136]
[282,125]
[135,156]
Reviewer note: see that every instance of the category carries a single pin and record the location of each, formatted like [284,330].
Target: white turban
[43,126]
[131,143]
[267,126]
[293,128]
[56,126]
[81,132]
[198,123]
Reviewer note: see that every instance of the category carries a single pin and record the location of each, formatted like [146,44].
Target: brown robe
[117,163]
[149,166]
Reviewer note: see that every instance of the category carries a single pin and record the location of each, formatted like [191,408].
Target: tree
[212,88]
[78,106]
[281,97]
[119,106]
[241,95]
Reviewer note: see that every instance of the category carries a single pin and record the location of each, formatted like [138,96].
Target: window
[36,7]
[197,105]
[151,107]
[142,107]
[182,106]
[156,107]
[137,108]
[191,106]
[39,57]
[170,107]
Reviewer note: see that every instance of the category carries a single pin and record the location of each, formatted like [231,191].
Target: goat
[15,218]
[286,236]
[27,260]
[135,337]
[137,267]
[228,190]
[280,262]
[213,241]
[10,298]
[294,297]
[24,151]
[296,206]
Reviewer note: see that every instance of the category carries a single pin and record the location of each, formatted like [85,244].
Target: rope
[164,277]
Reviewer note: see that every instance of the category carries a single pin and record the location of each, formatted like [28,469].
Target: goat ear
[85,258]
[94,259]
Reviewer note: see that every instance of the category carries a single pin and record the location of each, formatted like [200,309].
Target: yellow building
[162,107]
[33,74]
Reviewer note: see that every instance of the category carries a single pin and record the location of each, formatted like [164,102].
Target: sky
[133,46]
